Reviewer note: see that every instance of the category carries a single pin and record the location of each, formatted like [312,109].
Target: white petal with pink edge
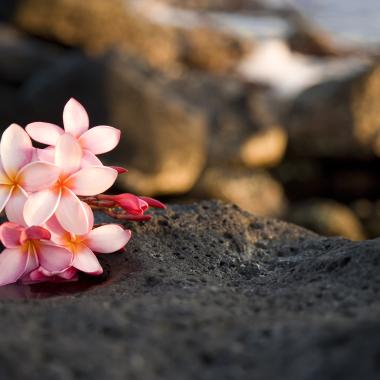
[90,216]
[15,206]
[12,265]
[71,213]
[68,154]
[16,149]
[45,133]
[108,238]
[100,139]
[53,258]
[41,206]
[89,159]
[86,261]
[38,176]
[75,118]
[92,180]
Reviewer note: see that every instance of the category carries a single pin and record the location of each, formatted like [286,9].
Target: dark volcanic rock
[209,292]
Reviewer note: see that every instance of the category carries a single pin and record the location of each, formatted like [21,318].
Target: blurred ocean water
[351,21]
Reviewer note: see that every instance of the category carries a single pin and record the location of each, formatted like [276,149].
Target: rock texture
[208,292]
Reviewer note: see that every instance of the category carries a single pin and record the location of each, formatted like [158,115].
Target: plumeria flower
[18,174]
[28,248]
[97,140]
[61,198]
[50,234]
[104,239]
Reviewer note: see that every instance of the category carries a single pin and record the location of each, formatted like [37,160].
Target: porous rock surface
[207,291]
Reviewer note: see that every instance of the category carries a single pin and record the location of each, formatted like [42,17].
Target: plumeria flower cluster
[49,195]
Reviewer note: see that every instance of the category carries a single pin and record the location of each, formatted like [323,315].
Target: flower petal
[132,204]
[100,139]
[15,206]
[86,261]
[12,265]
[75,118]
[59,235]
[68,153]
[153,202]
[53,258]
[69,274]
[38,176]
[108,238]
[90,216]
[37,233]
[10,234]
[71,213]
[16,149]
[92,180]
[41,206]
[45,133]
[54,226]
[5,193]
[34,277]
[32,261]
[89,159]
[46,154]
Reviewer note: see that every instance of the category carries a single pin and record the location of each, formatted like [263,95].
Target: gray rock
[208,292]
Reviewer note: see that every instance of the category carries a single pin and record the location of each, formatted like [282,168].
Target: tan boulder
[98,26]
[327,217]
[252,190]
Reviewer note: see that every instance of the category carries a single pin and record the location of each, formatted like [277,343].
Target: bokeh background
[271,104]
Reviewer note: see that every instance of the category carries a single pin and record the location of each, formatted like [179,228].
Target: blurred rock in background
[327,217]
[273,105]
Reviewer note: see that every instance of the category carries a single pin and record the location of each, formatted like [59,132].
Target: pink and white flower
[18,174]
[61,198]
[28,249]
[97,140]
[104,239]
[50,234]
